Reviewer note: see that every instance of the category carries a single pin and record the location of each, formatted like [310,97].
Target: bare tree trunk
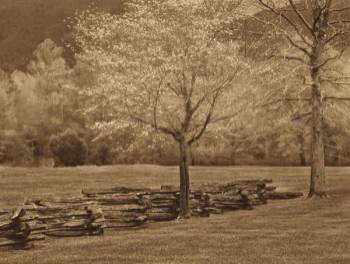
[302,157]
[318,182]
[318,177]
[184,180]
[192,157]
[160,154]
[62,112]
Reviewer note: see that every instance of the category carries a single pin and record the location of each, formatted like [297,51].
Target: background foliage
[43,92]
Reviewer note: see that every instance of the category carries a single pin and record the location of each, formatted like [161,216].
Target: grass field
[297,231]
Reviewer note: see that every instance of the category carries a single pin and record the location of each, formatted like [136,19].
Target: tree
[52,74]
[68,149]
[42,98]
[161,67]
[5,102]
[314,31]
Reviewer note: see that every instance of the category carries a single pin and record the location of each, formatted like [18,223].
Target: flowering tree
[160,66]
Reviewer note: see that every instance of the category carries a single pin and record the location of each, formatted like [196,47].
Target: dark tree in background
[68,149]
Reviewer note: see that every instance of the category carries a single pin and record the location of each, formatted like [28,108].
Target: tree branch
[207,119]
[155,108]
[328,60]
[339,22]
[287,100]
[301,17]
[300,116]
[288,20]
[340,9]
[295,58]
[336,98]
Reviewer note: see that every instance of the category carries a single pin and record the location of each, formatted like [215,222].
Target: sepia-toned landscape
[164,131]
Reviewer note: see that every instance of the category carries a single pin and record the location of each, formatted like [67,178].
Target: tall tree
[52,74]
[161,67]
[315,32]
[45,90]
[5,102]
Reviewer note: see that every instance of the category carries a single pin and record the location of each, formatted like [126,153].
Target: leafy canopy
[160,64]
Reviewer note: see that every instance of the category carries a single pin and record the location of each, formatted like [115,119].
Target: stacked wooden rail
[64,217]
[15,232]
[125,208]
[163,204]
[121,209]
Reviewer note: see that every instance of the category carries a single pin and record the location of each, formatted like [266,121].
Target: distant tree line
[49,100]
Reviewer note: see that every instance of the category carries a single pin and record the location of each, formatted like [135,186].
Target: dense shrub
[68,149]
[101,154]
[15,150]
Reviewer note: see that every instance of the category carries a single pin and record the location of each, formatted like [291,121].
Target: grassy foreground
[297,231]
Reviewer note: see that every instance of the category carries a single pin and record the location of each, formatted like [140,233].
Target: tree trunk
[184,180]
[302,157]
[317,184]
[192,157]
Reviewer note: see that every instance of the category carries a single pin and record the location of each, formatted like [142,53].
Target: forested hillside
[26,23]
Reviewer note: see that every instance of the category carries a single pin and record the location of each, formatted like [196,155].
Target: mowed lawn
[298,231]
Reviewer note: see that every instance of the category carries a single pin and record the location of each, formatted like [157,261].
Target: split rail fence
[124,208]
